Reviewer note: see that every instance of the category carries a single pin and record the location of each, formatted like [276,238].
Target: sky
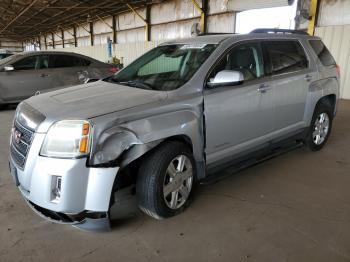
[277,17]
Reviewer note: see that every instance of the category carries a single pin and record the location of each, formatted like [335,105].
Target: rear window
[322,52]
[59,61]
[286,56]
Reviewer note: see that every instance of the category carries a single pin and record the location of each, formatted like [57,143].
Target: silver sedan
[26,74]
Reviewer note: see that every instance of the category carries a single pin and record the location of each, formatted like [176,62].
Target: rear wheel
[321,125]
[165,180]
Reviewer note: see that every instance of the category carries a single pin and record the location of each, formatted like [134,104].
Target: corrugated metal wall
[10,45]
[169,20]
[337,39]
[334,12]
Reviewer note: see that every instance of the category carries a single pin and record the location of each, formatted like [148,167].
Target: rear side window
[85,62]
[59,61]
[285,56]
[322,52]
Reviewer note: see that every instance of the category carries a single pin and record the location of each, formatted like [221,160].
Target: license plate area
[13,171]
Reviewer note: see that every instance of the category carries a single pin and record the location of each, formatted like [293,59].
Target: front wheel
[320,129]
[165,180]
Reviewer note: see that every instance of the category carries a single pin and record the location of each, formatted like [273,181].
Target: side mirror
[226,78]
[9,68]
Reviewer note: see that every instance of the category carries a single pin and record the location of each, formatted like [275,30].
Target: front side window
[322,52]
[286,56]
[246,59]
[165,68]
[27,63]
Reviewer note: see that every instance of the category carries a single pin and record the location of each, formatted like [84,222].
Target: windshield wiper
[136,84]
[132,83]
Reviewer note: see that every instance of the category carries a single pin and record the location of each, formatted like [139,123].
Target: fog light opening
[56,188]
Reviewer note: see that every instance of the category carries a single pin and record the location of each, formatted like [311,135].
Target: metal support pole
[75,36]
[92,33]
[205,7]
[203,16]
[45,41]
[313,15]
[148,23]
[114,28]
[53,40]
[62,33]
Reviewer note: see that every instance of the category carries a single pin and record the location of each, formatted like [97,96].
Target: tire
[160,174]
[316,139]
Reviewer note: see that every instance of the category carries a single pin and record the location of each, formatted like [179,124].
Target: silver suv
[169,120]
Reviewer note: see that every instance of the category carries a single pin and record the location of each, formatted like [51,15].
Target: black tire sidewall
[160,159]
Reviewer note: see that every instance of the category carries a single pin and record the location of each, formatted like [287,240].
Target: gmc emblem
[16,136]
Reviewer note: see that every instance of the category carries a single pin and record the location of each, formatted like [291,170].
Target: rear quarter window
[322,52]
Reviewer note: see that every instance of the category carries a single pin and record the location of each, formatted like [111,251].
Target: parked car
[4,55]
[25,74]
[169,120]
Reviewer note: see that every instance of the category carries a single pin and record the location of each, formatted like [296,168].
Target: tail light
[113,70]
[338,70]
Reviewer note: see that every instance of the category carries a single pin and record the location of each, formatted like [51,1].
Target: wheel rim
[178,182]
[321,128]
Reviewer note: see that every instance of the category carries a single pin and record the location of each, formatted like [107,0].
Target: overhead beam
[74,15]
[103,21]
[19,15]
[39,11]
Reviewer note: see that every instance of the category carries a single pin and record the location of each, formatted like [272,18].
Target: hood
[91,100]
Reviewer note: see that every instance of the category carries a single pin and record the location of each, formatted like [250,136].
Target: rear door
[67,70]
[291,73]
[239,117]
[31,74]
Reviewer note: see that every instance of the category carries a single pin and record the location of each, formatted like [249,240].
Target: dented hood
[91,100]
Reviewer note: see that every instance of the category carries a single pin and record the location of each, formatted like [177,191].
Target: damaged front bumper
[66,191]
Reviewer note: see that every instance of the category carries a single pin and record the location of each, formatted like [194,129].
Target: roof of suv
[218,38]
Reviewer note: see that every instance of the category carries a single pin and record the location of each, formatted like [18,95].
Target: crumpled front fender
[112,144]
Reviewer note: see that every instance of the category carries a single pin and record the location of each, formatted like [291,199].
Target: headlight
[67,139]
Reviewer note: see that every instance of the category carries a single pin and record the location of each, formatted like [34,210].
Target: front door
[30,75]
[238,117]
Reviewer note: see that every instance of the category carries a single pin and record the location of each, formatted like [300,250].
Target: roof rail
[203,34]
[277,31]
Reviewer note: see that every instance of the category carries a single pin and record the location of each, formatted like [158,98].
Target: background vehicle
[4,55]
[23,75]
[170,119]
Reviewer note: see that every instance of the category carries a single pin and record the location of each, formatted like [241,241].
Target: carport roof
[25,19]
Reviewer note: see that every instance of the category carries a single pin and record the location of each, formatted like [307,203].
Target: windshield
[164,68]
[7,59]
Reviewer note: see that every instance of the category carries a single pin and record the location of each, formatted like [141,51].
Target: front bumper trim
[92,222]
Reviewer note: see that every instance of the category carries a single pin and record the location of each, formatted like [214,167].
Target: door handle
[263,88]
[308,78]
[44,75]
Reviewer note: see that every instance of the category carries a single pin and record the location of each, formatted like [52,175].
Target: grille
[20,146]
